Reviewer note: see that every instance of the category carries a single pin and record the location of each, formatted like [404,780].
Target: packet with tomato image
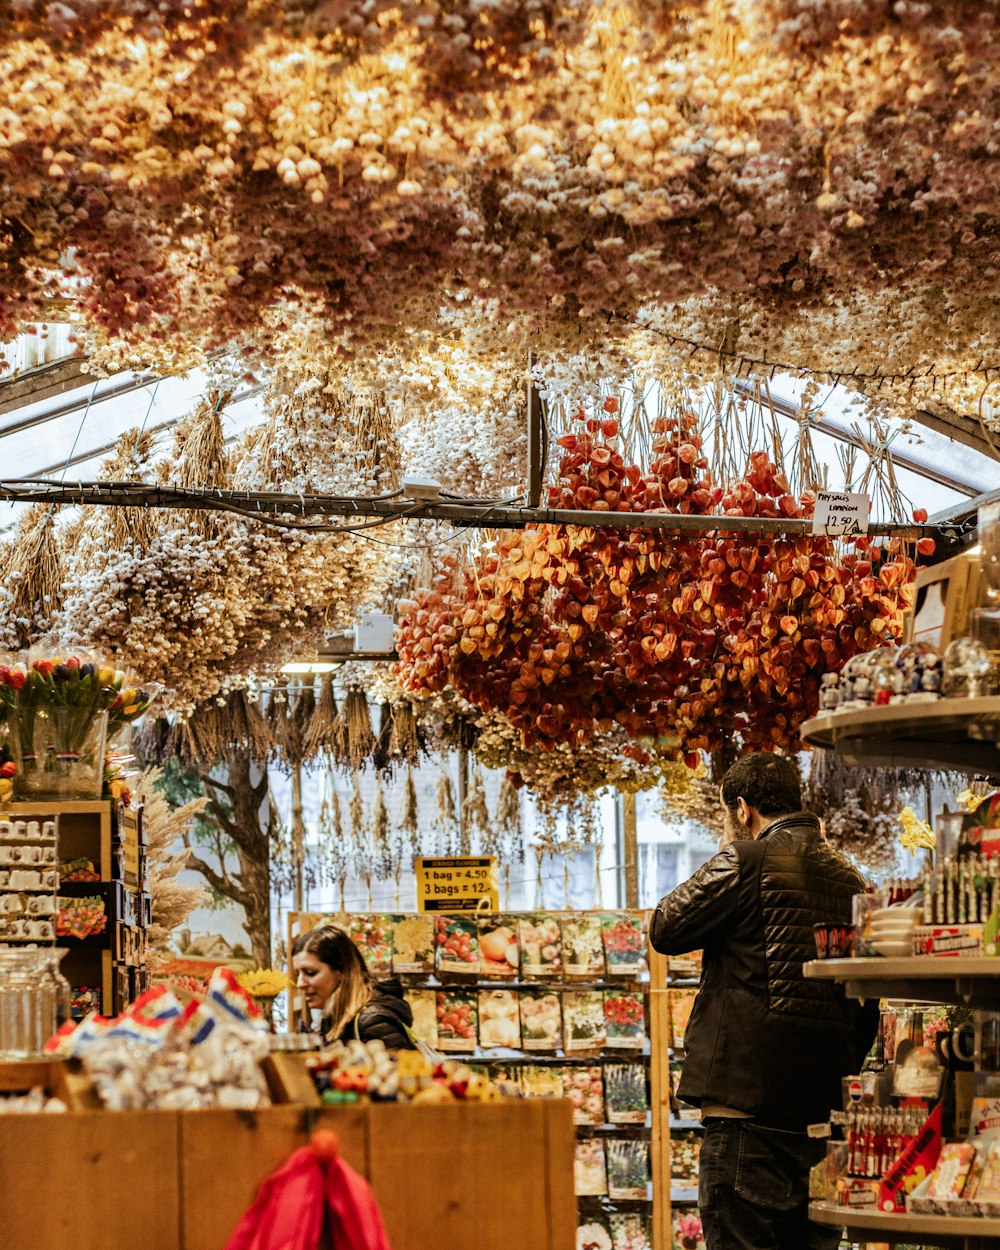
[372,935]
[456,944]
[541,945]
[499,955]
[624,937]
[541,1020]
[582,949]
[423,1004]
[584,1087]
[457,1019]
[625,1019]
[583,1020]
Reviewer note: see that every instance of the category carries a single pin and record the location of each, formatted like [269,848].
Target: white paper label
[818,1130]
[841,513]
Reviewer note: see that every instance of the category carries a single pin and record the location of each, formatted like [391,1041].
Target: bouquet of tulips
[58,707]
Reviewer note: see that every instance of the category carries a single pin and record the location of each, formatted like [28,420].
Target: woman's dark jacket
[762,1039]
[386,1017]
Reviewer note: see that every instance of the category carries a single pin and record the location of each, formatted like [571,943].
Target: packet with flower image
[541,1020]
[628,1168]
[688,1231]
[631,1231]
[457,1019]
[590,1178]
[625,1019]
[541,945]
[685,1149]
[582,949]
[456,944]
[412,944]
[499,1019]
[499,955]
[423,1004]
[626,1093]
[537,1082]
[624,938]
[681,1004]
[594,1234]
[372,935]
[584,1087]
[583,1020]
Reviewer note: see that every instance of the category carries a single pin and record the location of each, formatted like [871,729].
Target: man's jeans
[753,1188]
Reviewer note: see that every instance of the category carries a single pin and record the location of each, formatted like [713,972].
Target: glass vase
[28,1006]
[58,752]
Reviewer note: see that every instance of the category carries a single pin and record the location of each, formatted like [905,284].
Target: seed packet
[541,946]
[684,967]
[684,1151]
[687,1229]
[584,1087]
[456,1020]
[628,1168]
[413,944]
[632,1232]
[582,949]
[456,944]
[499,1019]
[541,1082]
[625,1019]
[624,937]
[988,1187]
[590,1177]
[372,935]
[625,1093]
[423,1004]
[594,1234]
[583,1020]
[498,950]
[681,1002]
[541,1020]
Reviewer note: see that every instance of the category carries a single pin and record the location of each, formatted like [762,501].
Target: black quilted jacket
[386,1016]
[761,1038]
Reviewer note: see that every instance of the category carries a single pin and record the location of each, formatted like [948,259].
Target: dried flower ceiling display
[376,210]
[776,177]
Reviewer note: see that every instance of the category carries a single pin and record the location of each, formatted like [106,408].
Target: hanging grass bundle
[447,812]
[411,812]
[404,740]
[34,576]
[323,730]
[358,723]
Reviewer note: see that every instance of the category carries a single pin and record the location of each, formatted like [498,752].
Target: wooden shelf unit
[970,979]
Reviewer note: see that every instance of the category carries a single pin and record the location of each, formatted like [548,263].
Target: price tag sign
[841,513]
[457,884]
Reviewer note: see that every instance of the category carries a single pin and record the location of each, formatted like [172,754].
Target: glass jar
[59,995]
[27,1007]
[58,751]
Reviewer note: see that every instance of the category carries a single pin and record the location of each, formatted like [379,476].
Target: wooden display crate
[61,1078]
[495,1176]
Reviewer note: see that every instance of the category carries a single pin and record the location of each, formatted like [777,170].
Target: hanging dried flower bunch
[324,732]
[448,831]
[358,727]
[476,816]
[411,813]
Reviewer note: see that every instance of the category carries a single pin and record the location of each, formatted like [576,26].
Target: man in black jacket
[764,1049]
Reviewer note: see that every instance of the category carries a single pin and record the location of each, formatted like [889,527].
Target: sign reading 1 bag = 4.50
[469,883]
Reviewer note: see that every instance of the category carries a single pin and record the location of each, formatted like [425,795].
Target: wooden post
[630,851]
[659,1099]
[464,832]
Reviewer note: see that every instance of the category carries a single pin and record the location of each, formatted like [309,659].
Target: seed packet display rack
[571,1065]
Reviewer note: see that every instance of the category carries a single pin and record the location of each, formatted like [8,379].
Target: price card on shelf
[843,512]
[469,883]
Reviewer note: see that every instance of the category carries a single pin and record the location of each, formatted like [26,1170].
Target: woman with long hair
[333,976]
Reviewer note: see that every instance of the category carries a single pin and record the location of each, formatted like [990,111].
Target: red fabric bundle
[288,1212]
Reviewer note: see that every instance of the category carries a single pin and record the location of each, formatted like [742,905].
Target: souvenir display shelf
[970,979]
[653,1057]
[112,963]
[957,734]
[961,735]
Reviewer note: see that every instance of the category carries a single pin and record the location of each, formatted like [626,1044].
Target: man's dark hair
[769,784]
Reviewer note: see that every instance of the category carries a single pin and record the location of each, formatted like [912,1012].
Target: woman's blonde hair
[333,947]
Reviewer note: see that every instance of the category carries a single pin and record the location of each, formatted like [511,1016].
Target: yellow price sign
[467,883]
